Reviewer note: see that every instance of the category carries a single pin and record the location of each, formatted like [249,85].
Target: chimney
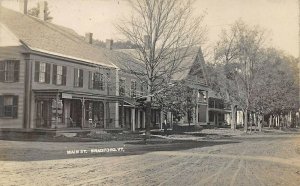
[42,13]
[89,37]
[22,5]
[147,41]
[109,44]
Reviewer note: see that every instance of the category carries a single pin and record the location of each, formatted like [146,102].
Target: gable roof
[192,65]
[49,38]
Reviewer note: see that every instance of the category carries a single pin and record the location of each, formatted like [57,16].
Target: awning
[66,94]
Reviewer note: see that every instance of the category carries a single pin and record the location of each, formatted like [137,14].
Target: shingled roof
[49,38]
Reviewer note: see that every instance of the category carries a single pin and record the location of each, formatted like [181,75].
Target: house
[192,72]
[51,78]
[218,110]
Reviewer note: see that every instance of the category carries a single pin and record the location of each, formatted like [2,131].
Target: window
[78,77]
[9,71]
[143,88]
[122,87]
[133,89]
[9,106]
[42,72]
[59,75]
[98,81]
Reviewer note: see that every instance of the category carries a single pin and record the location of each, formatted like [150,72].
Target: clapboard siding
[70,76]
[16,88]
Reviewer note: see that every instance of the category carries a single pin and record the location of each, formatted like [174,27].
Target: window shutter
[1,107]
[16,71]
[37,71]
[15,107]
[54,76]
[64,76]
[2,74]
[75,76]
[48,68]
[80,78]
[91,80]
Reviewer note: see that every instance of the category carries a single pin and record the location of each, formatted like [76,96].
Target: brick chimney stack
[42,13]
[89,37]
[109,44]
[22,6]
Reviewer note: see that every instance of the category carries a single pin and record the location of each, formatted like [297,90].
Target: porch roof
[67,94]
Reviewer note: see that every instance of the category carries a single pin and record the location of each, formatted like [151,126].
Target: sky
[278,17]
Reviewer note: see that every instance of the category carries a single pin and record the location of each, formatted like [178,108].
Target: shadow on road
[31,153]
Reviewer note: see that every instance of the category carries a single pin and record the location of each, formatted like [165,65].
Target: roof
[191,58]
[49,38]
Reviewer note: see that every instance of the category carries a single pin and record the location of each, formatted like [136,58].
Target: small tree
[179,99]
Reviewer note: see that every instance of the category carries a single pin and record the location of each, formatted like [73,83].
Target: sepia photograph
[150,92]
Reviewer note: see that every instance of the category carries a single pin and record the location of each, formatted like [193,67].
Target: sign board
[67,96]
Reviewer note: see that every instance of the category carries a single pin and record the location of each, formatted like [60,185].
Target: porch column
[162,118]
[139,119]
[117,115]
[207,113]
[105,114]
[82,112]
[194,116]
[122,114]
[144,120]
[133,119]
[56,111]
[197,113]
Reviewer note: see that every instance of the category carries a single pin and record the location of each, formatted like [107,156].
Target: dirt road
[264,160]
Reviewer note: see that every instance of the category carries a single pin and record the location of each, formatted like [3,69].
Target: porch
[59,109]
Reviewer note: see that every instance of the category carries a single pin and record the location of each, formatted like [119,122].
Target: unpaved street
[259,160]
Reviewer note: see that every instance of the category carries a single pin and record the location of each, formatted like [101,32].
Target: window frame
[98,82]
[13,107]
[133,88]
[78,81]
[122,87]
[63,75]
[47,73]
[5,72]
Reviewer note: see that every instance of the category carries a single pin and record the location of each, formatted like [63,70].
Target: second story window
[42,72]
[96,81]
[133,89]
[9,71]
[59,75]
[122,87]
[78,77]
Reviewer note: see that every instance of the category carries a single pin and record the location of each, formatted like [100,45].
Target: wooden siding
[70,76]
[16,88]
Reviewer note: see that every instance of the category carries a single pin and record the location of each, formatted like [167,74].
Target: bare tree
[238,54]
[164,33]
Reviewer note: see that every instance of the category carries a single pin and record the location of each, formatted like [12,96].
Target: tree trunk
[260,122]
[148,120]
[233,117]
[246,120]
